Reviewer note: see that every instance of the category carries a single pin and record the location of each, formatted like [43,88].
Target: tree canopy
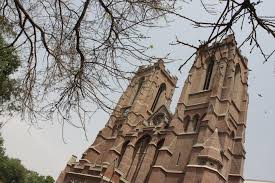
[11,170]
[73,52]
[9,63]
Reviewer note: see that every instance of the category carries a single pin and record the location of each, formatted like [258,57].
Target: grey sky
[44,151]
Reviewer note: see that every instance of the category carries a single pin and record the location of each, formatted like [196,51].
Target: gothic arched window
[186,122]
[208,76]
[178,159]
[162,88]
[159,145]
[237,83]
[140,83]
[143,143]
[139,153]
[195,122]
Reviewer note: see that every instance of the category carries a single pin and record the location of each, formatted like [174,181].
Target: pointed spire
[212,148]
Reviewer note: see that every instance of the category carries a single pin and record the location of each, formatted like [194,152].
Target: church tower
[203,142]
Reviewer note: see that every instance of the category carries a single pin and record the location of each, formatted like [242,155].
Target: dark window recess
[178,159]
[237,82]
[162,88]
[139,153]
[208,75]
[195,122]
[186,123]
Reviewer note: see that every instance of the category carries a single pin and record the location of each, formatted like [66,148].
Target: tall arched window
[159,145]
[186,122]
[178,159]
[123,149]
[162,88]
[208,76]
[195,122]
[139,153]
[237,84]
[140,83]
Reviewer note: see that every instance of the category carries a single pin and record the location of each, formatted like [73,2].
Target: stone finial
[72,160]
[160,64]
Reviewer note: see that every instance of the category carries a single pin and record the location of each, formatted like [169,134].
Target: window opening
[162,88]
[208,74]
[178,159]
[195,122]
[186,123]
[237,82]
[140,150]
[159,145]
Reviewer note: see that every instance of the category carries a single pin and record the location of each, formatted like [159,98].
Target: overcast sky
[43,149]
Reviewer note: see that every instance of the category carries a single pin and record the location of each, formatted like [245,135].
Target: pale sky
[44,151]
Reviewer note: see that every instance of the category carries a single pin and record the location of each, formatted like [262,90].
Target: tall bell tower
[115,154]
[210,119]
[202,142]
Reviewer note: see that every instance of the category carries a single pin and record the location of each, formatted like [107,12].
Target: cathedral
[202,142]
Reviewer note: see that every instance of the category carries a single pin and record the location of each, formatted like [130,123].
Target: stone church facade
[202,142]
